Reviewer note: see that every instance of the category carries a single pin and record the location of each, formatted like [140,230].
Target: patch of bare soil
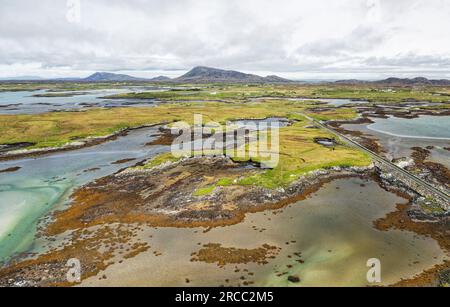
[215,253]
[165,139]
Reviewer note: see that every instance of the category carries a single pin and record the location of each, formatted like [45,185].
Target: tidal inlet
[262,156]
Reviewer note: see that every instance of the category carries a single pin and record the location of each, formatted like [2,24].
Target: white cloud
[295,38]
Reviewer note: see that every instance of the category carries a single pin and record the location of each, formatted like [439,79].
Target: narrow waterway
[43,183]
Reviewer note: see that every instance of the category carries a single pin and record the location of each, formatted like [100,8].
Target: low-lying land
[107,213]
[165,191]
[368,92]
[227,102]
[60,128]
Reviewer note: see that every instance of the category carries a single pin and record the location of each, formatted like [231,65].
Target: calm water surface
[24,102]
[44,182]
[333,230]
[427,127]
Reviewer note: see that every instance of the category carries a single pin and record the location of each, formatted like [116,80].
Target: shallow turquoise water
[333,229]
[44,182]
[429,127]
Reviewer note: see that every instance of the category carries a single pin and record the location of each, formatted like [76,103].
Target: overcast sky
[301,39]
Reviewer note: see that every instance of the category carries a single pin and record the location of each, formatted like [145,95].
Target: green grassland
[299,154]
[226,93]
[243,92]
[334,114]
[246,92]
[59,128]
[157,161]
[380,94]
[204,191]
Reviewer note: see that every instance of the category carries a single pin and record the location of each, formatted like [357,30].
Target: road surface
[383,160]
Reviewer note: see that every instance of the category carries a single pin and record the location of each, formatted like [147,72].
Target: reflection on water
[43,182]
[25,102]
[333,231]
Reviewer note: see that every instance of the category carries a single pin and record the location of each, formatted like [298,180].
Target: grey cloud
[361,39]
[410,60]
[251,35]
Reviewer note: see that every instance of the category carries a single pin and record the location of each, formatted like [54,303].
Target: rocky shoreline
[13,154]
[413,217]
[164,197]
[109,213]
[434,173]
[431,171]
[102,209]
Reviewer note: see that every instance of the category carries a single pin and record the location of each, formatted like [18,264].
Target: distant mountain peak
[160,78]
[112,77]
[106,76]
[393,81]
[206,74]
[414,81]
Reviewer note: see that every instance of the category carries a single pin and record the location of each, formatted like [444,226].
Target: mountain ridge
[204,74]
[105,77]
[393,81]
